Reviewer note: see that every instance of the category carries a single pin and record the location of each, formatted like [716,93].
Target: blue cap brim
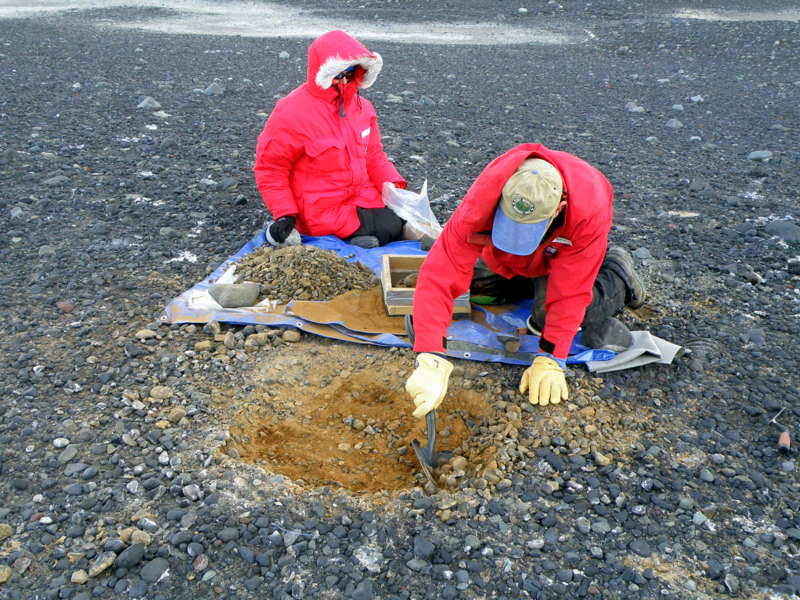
[516,238]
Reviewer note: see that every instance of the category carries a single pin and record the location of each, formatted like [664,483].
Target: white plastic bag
[414,208]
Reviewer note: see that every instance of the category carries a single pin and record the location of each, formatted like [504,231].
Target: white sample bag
[414,208]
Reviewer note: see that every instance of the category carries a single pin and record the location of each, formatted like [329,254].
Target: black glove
[280,229]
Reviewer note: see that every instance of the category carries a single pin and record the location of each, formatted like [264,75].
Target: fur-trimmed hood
[333,52]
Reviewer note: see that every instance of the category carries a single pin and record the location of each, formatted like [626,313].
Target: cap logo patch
[521,205]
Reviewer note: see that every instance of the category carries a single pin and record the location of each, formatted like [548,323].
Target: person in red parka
[320,165]
[537,220]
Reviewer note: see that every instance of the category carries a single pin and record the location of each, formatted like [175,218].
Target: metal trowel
[428,458]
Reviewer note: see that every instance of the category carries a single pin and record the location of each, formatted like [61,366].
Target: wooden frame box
[399,300]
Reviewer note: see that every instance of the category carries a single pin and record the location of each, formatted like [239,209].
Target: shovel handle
[431,421]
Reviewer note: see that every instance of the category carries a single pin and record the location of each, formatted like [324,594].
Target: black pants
[383,223]
[608,293]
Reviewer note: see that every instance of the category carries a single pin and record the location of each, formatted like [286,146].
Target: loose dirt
[350,429]
[331,414]
[302,273]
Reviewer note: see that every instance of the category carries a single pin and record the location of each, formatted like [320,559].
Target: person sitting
[320,165]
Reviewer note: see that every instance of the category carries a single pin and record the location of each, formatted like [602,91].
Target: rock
[155,570]
[215,89]
[640,547]
[5,573]
[235,295]
[131,556]
[176,414]
[65,306]
[283,54]
[760,155]
[363,590]
[140,537]
[471,542]
[417,564]
[423,548]
[212,328]
[101,563]
[68,453]
[79,577]
[57,180]
[145,334]
[200,562]
[706,475]
[192,492]
[149,103]
[793,265]
[6,531]
[786,230]
[601,459]
[370,558]
[601,526]
[204,346]
[633,107]
[290,537]
[674,124]
[257,339]
[161,392]
[228,534]
[291,335]
[229,341]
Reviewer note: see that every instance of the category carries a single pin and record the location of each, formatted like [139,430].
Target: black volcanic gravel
[109,483]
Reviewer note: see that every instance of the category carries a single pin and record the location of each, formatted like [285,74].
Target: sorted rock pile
[303,273]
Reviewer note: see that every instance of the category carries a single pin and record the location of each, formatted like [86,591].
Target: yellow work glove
[428,383]
[545,381]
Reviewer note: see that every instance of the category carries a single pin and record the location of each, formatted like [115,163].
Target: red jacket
[570,255]
[320,153]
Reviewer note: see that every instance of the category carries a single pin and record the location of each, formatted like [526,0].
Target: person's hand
[428,383]
[545,382]
[278,231]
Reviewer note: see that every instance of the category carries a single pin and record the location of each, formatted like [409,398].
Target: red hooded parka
[571,254]
[320,154]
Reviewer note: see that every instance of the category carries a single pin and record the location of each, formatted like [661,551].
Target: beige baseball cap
[527,207]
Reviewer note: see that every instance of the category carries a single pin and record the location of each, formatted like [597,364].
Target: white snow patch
[201,17]
[184,256]
[736,15]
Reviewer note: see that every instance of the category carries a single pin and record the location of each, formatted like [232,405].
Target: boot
[608,334]
[621,263]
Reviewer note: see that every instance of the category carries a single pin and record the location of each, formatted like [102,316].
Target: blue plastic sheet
[466,338]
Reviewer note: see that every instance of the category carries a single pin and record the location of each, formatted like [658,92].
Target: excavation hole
[351,429]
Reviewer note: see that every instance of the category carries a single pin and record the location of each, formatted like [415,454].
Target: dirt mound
[302,273]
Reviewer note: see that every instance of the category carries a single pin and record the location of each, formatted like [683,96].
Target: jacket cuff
[428,343]
[562,362]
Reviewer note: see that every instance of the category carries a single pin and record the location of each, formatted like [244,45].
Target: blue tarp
[465,338]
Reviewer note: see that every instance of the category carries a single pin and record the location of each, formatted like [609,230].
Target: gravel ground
[118,474]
